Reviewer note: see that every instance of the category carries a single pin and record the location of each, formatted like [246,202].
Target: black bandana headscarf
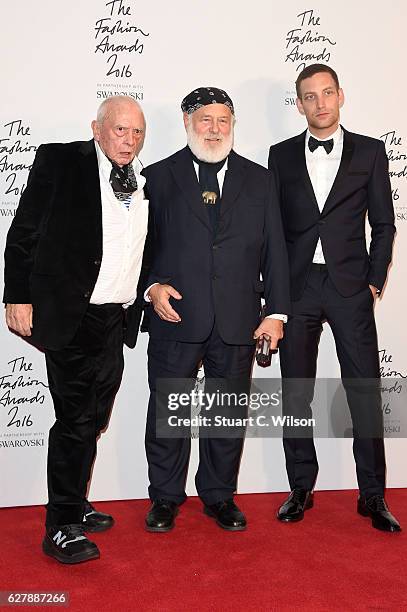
[203,96]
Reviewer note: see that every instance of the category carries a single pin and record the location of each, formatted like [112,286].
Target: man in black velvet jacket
[76,291]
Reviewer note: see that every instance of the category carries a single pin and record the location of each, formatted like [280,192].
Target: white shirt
[124,233]
[220,175]
[322,169]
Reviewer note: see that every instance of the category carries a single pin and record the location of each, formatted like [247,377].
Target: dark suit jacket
[361,186]
[217,277]
[54,244]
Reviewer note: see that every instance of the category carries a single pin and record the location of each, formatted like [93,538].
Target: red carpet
[333,560]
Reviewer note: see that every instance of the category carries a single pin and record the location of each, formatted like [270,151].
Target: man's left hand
[271,329]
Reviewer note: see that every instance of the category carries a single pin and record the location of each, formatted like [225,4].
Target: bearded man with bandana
[218,246]
[74,287]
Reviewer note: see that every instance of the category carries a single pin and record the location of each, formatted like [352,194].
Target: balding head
[120,128]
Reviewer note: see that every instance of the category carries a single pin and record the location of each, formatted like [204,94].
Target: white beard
[203,151]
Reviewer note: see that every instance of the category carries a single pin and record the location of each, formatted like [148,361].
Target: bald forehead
[118,105]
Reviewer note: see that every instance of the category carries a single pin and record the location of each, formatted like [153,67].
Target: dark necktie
[123,182]
[313,144]
[208,182]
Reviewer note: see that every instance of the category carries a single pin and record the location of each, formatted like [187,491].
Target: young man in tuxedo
[329,179]
[217,226]
[74,287]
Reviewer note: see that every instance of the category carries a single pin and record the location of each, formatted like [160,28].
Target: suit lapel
[184,173]
[233,183]
[90,184]
[347,153]
[299,161]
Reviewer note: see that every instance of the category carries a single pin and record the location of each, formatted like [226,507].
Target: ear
[96,130]
[341,97]
[300,106]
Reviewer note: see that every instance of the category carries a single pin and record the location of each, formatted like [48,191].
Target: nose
[131,138]
[321,101]
[214,127]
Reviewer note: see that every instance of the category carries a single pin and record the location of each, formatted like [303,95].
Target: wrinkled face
[210,132]
[121,133]
[320,102]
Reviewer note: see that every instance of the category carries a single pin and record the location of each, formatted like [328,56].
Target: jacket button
[97,262]
[87,294]
[214,277]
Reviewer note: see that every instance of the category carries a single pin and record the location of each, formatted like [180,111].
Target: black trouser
[353,326]
[219,458]
[83,380]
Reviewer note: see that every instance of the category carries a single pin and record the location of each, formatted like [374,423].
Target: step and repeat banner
[61,59]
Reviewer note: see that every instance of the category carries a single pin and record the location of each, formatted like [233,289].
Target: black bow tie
[313,144]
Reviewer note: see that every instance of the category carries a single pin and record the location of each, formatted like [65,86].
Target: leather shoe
[377,509]
[161,516]
[227,515]
[95,521]
[295,505]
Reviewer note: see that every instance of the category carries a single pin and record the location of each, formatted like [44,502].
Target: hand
[19,318]
[373,289]
[159,296]
[271,329]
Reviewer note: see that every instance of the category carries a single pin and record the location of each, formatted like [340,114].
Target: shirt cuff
[280,317]
[146,296]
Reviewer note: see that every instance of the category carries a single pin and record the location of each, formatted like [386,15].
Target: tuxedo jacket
[54,245]
[217,276]
[361,187]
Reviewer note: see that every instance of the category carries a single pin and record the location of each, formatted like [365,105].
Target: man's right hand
[159,296]
[19,318]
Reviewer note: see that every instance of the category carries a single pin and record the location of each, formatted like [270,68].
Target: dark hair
[309,71]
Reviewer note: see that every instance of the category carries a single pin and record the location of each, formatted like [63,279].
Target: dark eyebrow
[313,92]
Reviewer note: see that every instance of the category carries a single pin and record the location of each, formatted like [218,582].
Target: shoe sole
[96,529]
[381,528]
[49,550]
[225,527]
[308,506]
[159,529]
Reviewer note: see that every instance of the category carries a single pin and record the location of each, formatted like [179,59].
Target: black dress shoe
[377,509]
[68,544]
[227,515]
[294,507]
[161,516]
[95,521]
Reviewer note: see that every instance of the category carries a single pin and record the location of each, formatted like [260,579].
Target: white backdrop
[61,59]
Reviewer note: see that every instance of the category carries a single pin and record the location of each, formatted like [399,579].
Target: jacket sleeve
[24,232]
[381,219]
[274,256]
